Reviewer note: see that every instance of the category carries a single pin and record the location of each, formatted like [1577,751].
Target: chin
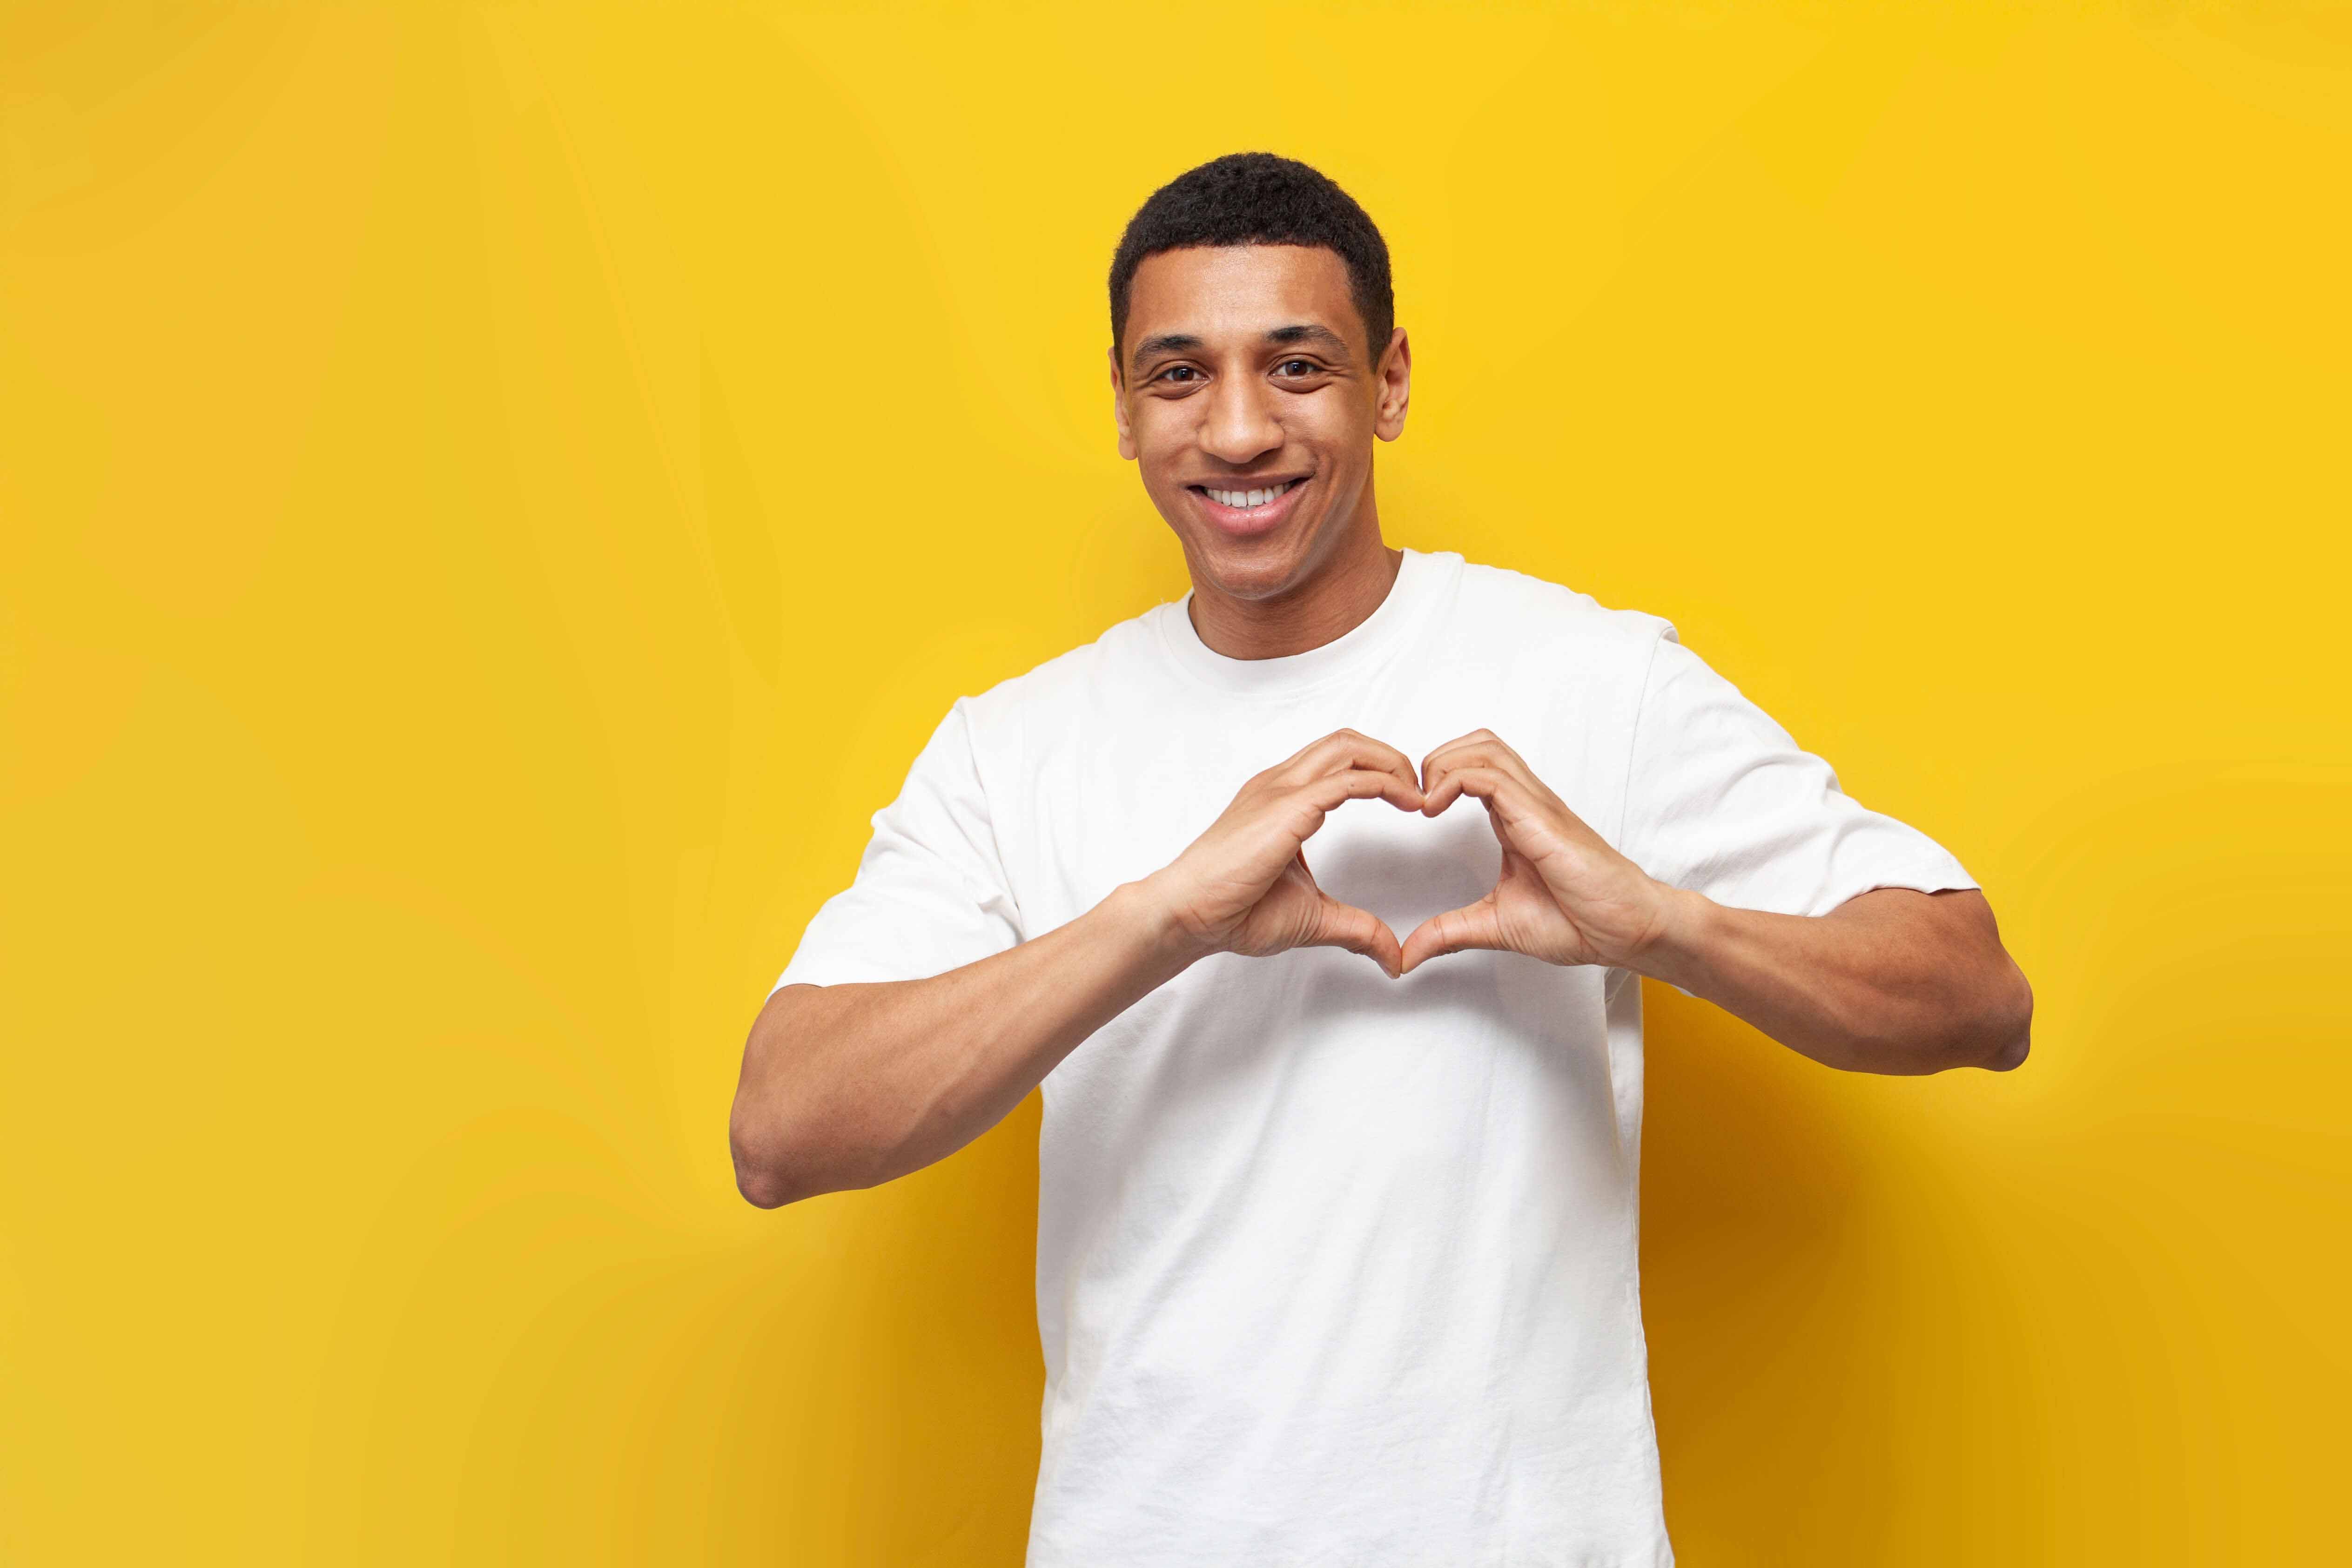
[1259,569]
[1265,566]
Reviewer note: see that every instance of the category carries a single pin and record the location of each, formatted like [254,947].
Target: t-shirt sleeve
[1721,801]
[930,893]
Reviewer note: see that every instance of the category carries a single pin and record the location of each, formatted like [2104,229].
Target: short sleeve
[1721,801]
[930,893]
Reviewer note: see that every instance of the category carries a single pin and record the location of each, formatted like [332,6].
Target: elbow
[771,1182]
[761,1190]
[779,1163]
[2007,1036]
[775,1167]
[1987,1022]
[764,1190]
[760,1176]
[764,1137]
[765,1147]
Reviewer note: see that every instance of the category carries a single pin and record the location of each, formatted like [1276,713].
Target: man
[1337,1256]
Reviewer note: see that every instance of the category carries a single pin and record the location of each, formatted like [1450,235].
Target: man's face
[1248,401]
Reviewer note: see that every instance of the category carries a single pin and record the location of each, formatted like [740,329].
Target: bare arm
[848,1086]
[1892,982]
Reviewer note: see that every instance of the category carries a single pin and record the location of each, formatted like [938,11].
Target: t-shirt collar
[1421,581]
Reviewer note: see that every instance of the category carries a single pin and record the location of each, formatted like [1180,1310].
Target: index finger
[1346,749]
[1478,748]
[1324,796]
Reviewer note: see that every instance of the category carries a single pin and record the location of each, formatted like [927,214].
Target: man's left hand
[1563,895]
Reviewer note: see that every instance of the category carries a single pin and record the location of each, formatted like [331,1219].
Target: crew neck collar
[1422,580]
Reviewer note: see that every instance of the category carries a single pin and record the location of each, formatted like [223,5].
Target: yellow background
[494,497]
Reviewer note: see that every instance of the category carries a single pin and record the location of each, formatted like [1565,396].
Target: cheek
[1335,461]
[1162,434]
[1332,424]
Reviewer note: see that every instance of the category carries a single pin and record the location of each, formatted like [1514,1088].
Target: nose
[1238,424]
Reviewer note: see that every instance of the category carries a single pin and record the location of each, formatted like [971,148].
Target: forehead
[1229,292]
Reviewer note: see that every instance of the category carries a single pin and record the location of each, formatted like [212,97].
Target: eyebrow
[1186,343]
[1166,343]
[1309,332]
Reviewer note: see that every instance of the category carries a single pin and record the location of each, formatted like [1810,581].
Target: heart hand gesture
[1563,894]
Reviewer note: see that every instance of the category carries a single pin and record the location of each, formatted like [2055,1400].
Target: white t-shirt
[1335,1268]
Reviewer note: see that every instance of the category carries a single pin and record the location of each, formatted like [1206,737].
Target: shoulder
[1056,691]
[1549,619]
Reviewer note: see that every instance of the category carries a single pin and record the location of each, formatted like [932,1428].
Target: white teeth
[1250,501]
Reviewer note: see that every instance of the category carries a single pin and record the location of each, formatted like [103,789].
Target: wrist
[1148,919]
[1675,950]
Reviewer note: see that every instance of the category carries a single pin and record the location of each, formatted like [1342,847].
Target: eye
[1296,367]
[1181,374]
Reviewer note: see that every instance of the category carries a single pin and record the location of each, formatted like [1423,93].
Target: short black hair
[1257,199]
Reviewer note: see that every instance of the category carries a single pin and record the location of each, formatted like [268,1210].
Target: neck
[1335,598]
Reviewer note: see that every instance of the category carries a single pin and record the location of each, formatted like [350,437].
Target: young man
[1336,1251]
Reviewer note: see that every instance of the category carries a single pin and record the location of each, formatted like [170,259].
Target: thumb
[1358,931]
[1473,925]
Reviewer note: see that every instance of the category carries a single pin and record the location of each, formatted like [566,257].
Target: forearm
[1892,982]
[848,1086]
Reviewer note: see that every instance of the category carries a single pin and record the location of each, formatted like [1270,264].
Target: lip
[1238,522]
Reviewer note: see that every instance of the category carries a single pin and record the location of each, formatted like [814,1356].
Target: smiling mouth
[1249,500]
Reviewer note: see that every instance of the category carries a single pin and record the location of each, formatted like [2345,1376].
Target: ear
[1392,382]
[1118,407]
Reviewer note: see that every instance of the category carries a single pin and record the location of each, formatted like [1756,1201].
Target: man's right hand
[1244,886]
